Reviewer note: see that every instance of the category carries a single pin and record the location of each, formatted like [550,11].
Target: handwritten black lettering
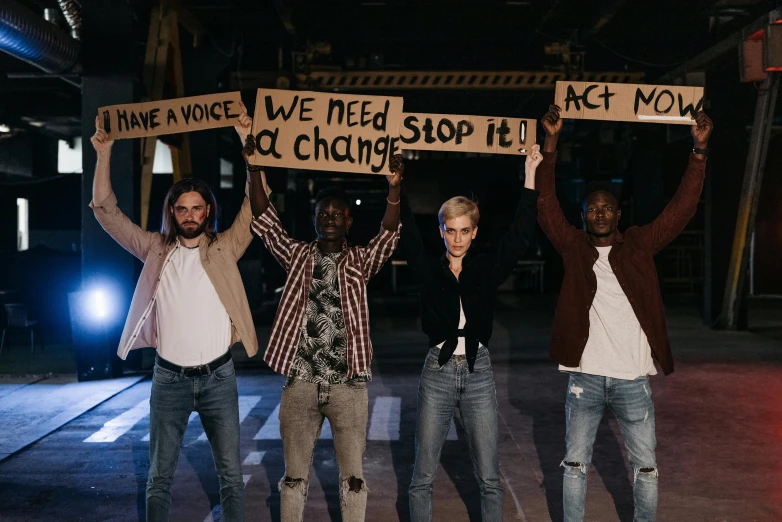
[122,116]
[409,123]
[428,128]
[272,147]
[463,129]
[381,118]
[382,152]
[657,102]
[351,113]
[187,110]
[449,126]
[574,98]
[107,122]
[153,118]
[365,112]
[272,113]
[144,117]
[339,156]
[490,133]
[171,115]
[198,113]
[227,110]
[320,142]
[502,131]
[364,145]
[215,115]
[394,146]
[639,97]
[297,147]
[340,106]
[303,109]
[134,120]
[689,109]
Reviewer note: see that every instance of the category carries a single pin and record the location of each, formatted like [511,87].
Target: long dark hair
[168,226]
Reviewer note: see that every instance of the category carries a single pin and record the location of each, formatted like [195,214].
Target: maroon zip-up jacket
[631,260]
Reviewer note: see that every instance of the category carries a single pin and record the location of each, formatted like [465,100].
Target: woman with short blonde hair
[458,291]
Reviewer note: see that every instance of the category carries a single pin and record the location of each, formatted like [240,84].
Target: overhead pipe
[28,37]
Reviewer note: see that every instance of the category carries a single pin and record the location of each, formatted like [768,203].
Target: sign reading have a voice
[134,120]
[325,131]
[482,134]
[629,102]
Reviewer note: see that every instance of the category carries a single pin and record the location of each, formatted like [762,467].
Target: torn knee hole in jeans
[646,471]
[574,465]
[294,483]
[353,484]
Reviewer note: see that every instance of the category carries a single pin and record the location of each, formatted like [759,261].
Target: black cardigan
[477,284]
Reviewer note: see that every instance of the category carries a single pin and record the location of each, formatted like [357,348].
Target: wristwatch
[705,152]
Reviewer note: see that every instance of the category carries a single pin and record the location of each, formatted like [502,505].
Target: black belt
[194,371]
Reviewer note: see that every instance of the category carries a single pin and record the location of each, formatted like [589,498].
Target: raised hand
[245,124]
[701,131]
[397,168]
[533,159]
[552,123]
[100,140]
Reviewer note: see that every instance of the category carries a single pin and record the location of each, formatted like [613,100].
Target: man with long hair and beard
[190,304]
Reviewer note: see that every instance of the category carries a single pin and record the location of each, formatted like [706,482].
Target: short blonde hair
[458,207]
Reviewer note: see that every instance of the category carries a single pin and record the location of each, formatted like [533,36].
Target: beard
[190,233]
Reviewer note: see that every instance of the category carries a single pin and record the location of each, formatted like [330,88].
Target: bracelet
[705,152]
[254,168]
[393,202]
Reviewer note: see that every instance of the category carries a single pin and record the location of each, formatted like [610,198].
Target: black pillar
[109,66]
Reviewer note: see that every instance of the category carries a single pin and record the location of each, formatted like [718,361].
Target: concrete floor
[719,429]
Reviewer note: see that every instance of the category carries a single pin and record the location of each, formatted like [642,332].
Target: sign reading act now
[629,102]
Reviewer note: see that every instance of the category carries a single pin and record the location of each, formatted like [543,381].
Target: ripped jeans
[588,397]
[303,408]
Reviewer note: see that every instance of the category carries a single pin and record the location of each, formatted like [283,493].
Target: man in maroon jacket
[609,323]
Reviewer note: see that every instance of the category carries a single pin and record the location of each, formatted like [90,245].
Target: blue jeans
[587,399]
[440,390]
[174,397]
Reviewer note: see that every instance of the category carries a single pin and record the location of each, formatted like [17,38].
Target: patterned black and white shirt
[321,356]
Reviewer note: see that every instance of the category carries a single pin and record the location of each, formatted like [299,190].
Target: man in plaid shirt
[320,338]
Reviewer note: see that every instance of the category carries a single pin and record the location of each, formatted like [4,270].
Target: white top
[460,343]
[193,326]
[617,345]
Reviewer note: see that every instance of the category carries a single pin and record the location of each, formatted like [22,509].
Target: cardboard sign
[629,102]
[134,120]
[326,131]
[461,133]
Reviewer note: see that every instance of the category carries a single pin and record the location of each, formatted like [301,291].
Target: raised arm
[266,224]
[239,235]
[682,207]
[104,202]
[380,248]
[522,230]
[550,216]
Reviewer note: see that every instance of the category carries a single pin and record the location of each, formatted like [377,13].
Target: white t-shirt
[193,326]
[460,343]
[617,345]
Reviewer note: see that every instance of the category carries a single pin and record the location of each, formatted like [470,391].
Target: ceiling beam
[718,51]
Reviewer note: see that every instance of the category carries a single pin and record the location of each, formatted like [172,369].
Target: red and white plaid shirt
[356,266]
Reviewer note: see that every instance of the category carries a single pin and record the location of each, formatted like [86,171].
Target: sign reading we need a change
[460,133]
[326,131]
[135,120]
[629,102]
